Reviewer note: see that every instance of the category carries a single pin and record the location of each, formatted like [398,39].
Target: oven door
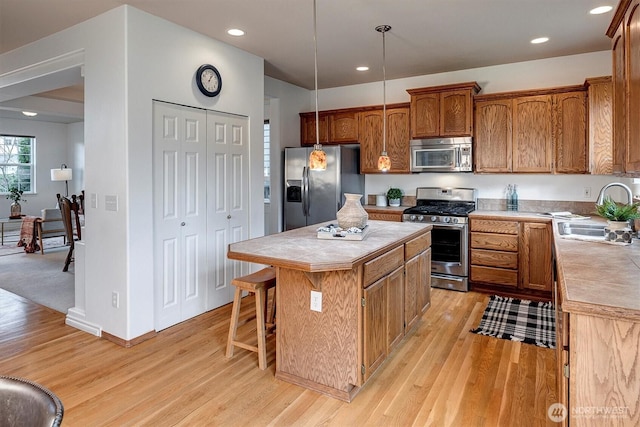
[449,249]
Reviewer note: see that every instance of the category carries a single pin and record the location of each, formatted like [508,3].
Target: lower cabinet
[597,365]
[512,257]
[397,290]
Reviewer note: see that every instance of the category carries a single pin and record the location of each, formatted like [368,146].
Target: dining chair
[67,207]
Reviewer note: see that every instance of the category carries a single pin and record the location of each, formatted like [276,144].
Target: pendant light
[384,162]
[317,158]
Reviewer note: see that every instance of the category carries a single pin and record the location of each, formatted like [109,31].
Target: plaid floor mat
[512,319]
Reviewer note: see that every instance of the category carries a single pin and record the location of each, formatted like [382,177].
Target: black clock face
[208,80]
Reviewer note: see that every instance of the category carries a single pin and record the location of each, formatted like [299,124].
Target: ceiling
[427,36]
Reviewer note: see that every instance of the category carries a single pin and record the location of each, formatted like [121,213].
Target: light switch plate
[110,203]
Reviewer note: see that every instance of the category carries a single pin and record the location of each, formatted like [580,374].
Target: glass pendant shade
[384,162]
[318,159]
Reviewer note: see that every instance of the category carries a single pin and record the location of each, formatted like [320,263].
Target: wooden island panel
[316,349]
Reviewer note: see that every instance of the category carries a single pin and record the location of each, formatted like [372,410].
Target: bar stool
[257,283]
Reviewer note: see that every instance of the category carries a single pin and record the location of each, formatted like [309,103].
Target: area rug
[11,247]
[513,319]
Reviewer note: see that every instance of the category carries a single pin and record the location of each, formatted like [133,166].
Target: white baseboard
[76,319]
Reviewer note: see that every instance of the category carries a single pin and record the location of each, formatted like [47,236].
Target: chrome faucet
[615,184]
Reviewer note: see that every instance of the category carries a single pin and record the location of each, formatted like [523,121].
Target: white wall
[545,73]
[286,101]
[53,147]
[130,59]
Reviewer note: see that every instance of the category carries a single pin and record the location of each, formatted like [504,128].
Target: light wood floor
[441,375]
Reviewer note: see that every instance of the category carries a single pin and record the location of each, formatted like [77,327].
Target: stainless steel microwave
[441,155]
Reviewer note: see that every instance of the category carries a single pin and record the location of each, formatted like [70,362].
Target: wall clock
[208,80]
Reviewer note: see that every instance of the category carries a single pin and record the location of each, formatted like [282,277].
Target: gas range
[441,205]
[447,209]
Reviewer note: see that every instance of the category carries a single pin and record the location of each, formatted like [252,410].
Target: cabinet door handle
[182,224]
[228,216]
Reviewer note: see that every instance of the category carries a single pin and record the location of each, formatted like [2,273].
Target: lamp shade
[65,174]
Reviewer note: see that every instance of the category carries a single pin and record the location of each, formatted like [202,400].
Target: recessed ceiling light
[540,40]
[362,68]
[236,32]
[600,9]
[29,113]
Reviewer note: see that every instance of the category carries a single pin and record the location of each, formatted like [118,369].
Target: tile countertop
[596,278]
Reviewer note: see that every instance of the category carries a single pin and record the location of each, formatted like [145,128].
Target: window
[17,156]
[267,162]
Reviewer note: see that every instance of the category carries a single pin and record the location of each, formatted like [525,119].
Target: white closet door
[179,224]
[228,200]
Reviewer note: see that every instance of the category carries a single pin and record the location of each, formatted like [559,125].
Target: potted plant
[394,195]
[618,217]
[15,194]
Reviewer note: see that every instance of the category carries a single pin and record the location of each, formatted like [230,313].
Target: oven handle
[460,226]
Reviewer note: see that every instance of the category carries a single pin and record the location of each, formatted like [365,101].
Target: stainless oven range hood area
[441,155]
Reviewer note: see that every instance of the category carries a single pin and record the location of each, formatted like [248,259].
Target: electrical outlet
[586,192]
[115,299]
[316,301]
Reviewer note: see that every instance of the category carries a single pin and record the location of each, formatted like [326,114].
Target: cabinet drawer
[497,276]
[499,242]
[499,259]
[386,216]
[383,265]
[494,226]
[417,245]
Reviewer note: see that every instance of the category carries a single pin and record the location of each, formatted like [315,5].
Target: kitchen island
[366,294]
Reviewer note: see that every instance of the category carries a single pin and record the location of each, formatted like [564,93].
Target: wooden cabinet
[494,252]
[512,256]
[570,132]
[625,34]
[493,135]
[397,145]
[308,128]
[343,127]
[445,111]
[600,106]
[517,131]
[336,127]
[595,355]
[383,214]
[397,290]
[532,145]
[383,319]
[535,256]
[417,288]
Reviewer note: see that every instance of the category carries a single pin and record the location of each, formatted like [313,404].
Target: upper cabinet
[397,144]
[624,32]
[336,127]
[308,128]
[600,107]
[442,111]
[570,131]
[531,131]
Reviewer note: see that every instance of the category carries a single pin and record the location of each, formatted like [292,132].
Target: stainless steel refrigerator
[310,196]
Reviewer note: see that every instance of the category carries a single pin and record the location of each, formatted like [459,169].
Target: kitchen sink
[581,229]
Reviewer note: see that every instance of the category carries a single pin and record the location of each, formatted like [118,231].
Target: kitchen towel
[513,319]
